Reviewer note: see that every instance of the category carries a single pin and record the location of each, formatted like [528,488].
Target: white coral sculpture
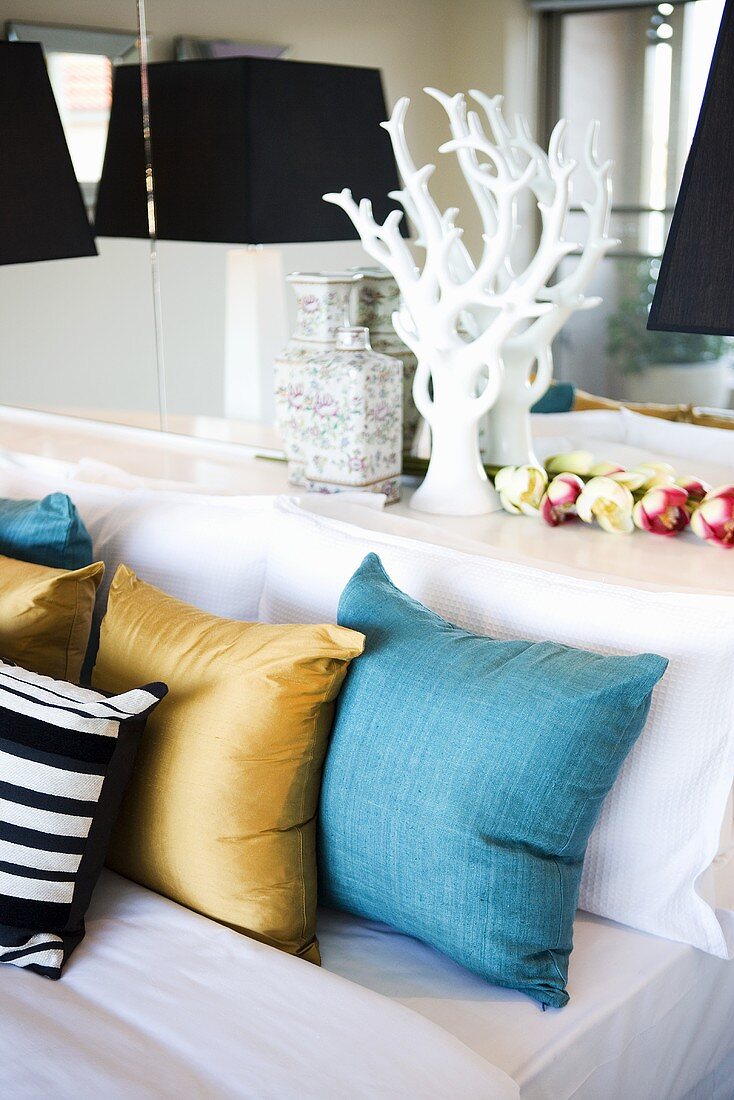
[480,330]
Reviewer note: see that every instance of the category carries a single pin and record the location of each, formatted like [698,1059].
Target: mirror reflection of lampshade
[244,149]
[695,288]
[42,214]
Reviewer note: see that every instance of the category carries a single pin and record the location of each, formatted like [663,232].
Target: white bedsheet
[159,1003]
[648,1019]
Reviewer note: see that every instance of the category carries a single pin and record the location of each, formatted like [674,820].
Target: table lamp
[242,151]
[695,287]
[42,214]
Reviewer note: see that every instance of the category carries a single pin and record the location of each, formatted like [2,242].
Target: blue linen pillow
[463,779]
[45,532]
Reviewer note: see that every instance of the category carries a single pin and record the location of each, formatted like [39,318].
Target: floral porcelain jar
[378,298]
[325,302]
[352,421]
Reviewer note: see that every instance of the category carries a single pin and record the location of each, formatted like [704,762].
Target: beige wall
[96,335]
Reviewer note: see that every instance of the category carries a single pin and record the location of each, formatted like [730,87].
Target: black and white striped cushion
[66,754]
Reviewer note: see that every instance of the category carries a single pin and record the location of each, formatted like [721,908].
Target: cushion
[220,814]
[65,756]
[206,550]
[649,858]
[558,398]
[463,780]
[209,551]
[45,532]
[46,616]
[691,444]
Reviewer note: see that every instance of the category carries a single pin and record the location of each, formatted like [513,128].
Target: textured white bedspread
[158,1002]
[648,1019]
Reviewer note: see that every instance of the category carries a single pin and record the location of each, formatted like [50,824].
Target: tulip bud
[609,503]
[521,488]
[662,510]
[656,473]
[713,520]
[605,469]
[631,479]
[559,501]
[572,462]
[694,486]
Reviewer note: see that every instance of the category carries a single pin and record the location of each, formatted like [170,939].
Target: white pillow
[206,551]
[649,861]
[688,443]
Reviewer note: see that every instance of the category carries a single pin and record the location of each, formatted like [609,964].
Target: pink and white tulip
[713,520]
[609,503]
[662,511]
[694,486]
[559,501]
[521,489]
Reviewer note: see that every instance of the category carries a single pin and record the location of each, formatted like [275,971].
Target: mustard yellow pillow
[46,616]
[221,811]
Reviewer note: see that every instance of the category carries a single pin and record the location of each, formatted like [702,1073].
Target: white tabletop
[681,563]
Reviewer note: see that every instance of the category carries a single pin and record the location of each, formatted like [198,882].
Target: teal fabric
[558,398]
[45,532]
[463,779]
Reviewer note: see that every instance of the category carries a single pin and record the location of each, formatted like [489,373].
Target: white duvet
[159,1002]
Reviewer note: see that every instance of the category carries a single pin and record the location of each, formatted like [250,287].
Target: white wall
[79,333]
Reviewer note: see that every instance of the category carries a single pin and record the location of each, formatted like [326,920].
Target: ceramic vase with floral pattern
[378,298]
[325,302]
[352,403]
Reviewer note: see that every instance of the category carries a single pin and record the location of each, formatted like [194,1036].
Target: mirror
[80,336]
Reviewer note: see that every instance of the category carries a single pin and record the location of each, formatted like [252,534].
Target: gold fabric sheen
[221,811]
[46,616]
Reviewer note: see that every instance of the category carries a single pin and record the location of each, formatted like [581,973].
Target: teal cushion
[558,398]
[45,532]
[463,779]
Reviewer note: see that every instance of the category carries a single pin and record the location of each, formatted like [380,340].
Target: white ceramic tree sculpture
[527,355]
[469,324]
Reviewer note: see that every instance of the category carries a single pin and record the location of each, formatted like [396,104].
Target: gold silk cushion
[221,811]
[46,616]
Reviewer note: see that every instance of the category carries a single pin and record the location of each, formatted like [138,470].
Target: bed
[648,1019]
[161,1002]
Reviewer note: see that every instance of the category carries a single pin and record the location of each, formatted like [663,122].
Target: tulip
[694,486]
[559,501]
[605,469]
[521,489]
[631,479]
[573,462]
[662,510]
[609,503]
[713,520]
[655,473]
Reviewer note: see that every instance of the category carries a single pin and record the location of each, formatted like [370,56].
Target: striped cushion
[66,754]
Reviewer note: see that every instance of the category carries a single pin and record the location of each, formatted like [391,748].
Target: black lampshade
[244,149]
[695,288]
[42,214]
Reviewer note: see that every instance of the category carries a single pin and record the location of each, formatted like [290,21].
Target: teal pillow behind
[558,398]
[463,779]
[45,532]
